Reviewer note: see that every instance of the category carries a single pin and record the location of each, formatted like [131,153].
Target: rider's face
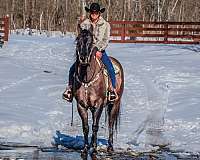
[94,15]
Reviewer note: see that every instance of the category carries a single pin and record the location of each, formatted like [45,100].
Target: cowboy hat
[95,7]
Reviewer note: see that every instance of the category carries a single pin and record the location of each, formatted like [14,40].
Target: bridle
[89,58]
[95,75]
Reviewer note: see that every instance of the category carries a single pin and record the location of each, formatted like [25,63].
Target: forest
[63,15]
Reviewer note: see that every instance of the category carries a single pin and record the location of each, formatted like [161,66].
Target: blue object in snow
[73,142]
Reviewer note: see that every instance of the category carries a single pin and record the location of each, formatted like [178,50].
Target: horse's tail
[117,115]
[115,109]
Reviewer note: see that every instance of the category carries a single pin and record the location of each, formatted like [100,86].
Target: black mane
[84,42]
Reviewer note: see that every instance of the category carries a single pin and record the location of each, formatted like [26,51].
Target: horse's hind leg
[96,114]
[113,111]
[84,117]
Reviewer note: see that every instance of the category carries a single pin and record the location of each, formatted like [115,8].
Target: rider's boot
[68,94]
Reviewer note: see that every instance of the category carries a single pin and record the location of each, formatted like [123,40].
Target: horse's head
[84,46]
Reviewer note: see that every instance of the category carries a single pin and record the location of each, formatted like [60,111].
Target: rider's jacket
[101,32]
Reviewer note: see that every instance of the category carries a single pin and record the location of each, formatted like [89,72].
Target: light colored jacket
[101,32]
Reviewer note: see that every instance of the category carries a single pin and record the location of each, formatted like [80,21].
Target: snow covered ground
[160,103]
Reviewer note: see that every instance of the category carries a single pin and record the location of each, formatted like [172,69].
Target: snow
[160,104]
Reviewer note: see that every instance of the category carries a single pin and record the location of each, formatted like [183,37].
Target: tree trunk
[12,15]
[108,11]
[41,15]
[24,14]
[124,10]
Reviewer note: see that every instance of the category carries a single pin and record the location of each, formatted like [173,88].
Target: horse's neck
[87,73]
[93,68]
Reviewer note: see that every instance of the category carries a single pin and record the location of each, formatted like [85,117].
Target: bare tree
[62,14]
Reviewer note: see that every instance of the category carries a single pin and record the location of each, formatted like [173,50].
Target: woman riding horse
[101,35]
[89,81]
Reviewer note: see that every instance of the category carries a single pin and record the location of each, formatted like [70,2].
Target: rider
[101,35]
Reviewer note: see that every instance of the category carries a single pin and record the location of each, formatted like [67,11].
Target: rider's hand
[98,54]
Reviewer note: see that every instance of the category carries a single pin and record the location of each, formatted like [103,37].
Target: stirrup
[112,96]
[67,95]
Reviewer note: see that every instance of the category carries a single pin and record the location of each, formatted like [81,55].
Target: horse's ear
[91,28]
[79,29]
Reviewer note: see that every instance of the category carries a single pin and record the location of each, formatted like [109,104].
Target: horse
[89,89]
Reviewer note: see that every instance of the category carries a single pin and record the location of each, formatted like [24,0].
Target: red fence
[155,32]
[4,28]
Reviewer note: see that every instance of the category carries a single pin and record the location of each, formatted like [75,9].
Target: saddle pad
[116,68]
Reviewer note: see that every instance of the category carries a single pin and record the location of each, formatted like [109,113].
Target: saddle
[106,75]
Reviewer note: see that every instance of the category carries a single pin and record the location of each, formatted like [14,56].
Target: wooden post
[6,28]
[166,33]
[123,33]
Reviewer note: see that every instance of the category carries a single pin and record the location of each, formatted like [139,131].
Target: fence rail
[4,28]
[155,32]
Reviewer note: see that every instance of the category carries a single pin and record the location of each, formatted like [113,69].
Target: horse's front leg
[96,114]
[84,117]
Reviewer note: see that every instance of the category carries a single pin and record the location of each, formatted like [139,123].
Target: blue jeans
[106,61]
[111,71]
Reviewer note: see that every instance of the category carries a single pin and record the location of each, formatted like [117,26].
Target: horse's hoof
[110,149]
[85,150]
[84,155]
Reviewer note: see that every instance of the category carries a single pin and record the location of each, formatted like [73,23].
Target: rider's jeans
[107,62]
